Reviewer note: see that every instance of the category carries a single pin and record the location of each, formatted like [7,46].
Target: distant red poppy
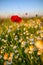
[16,19]
[26,13]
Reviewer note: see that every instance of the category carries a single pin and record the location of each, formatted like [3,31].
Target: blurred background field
[6,22]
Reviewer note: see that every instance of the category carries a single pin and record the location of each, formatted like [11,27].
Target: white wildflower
[0,56]
[9,30]
[14,47]
[20,59]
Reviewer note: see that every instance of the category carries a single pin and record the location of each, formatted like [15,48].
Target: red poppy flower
[16,19]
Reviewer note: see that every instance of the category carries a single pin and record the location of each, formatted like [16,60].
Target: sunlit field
[21,43]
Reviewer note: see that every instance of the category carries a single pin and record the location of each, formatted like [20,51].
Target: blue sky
[21,6]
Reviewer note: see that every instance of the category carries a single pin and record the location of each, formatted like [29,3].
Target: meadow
[21,43]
